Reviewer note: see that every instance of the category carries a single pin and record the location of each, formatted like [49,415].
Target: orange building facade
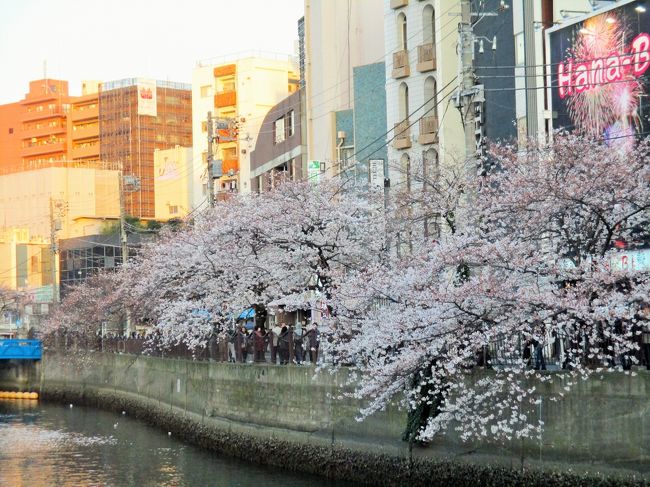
[102,129]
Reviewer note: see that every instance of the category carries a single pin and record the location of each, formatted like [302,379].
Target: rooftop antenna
[47,89]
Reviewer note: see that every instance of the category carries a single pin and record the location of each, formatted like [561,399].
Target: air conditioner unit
[243,151]
[242,119]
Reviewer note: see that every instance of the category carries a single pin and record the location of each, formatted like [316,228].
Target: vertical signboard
[598,75]
[313,171]
[376,173]
[147,102]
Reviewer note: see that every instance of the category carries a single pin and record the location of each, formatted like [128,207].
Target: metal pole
[210,158]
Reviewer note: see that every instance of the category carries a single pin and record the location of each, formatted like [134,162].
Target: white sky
[113,39]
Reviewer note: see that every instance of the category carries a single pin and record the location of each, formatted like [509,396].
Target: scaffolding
[130,139]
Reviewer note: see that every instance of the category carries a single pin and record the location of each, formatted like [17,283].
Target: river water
[44,444]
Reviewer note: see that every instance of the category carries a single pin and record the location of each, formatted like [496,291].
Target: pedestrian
[275,334]
[298,334]
[250,342]
[540,363]
[283,344]
[313,342]
[232,339]
[242,345]
[259,338]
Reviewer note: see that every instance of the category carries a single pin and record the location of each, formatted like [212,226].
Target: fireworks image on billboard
[599,76]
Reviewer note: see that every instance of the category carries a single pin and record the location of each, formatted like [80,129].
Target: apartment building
[421,69]
[238,91]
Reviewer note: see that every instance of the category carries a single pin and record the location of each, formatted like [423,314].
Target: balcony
[402,135]
[398,3]
[86,152]
[225,70]
[85,132]
[401,67]
[230,165]
[428,130]
[84,113]
[225,99]
[40,149]
[41,114]
[44,131]
[426,58]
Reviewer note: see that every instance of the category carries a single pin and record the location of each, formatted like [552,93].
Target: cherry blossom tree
[291,246]
[530,263]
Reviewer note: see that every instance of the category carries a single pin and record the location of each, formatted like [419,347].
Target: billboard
[147,102]
[599,75]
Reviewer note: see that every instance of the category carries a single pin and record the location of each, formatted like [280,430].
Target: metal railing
[400,59]
[425,53]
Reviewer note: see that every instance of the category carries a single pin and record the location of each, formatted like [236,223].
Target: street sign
[377,173]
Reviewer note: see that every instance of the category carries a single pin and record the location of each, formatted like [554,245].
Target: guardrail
[18,349]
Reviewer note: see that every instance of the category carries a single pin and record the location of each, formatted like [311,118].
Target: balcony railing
[230,165]
[225,99]
[38,149]
[45,130]
[86,152]
[84,113]
[428,130]
[85,132]
[402,135]
[401,64]
[398,3]
[426,58]
[40,114]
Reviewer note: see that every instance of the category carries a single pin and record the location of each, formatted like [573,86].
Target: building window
[173,209]
[402,34]
[278,129]
[403,102]
[430,98]
[520,53]
[204,127]
[11,130]
[290,124]
[206,91]
[429,25]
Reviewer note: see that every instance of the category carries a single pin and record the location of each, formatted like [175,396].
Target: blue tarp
[247,314]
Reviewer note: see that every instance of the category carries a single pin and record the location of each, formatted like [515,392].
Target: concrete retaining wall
[600,426]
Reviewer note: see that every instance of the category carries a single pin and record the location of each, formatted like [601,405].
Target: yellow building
[34,205]
[80,200]
[172,182]
[25,262]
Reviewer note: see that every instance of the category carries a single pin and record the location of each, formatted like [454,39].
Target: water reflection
[52,445]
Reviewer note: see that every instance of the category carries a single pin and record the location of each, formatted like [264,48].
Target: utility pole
[134,185]
[53,253]
[210,159]
[466,75]
[58,208]
[123,237]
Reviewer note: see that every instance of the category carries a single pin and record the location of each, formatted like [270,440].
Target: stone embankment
[292,418]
